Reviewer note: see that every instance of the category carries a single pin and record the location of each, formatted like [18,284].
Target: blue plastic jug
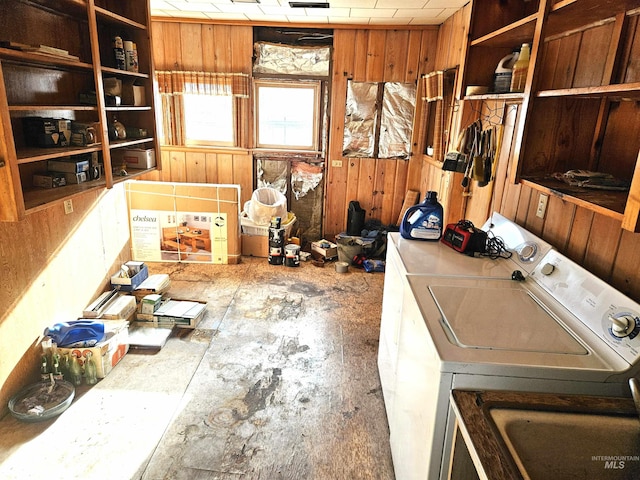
[424,220]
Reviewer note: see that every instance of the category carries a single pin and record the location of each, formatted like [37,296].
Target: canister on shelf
[118,53]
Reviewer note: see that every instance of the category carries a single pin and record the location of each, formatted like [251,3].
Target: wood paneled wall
[377,55]
[378,185]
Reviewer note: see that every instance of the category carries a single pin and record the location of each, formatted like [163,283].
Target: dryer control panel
[611,315]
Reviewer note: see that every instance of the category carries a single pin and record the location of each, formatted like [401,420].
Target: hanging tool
[473,134]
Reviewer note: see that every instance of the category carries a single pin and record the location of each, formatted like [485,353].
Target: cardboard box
[136,158]
[255,245]
[174,313]
[107,353]
[180,313]
[121,307]
[133,94]
[150,303]
[76,177]
[325,248]
[49,180]
[46,132]
[68,166]
[128,284]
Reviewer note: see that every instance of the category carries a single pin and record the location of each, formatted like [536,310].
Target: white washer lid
[501,319]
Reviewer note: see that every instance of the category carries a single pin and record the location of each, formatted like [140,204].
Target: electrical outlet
[336,163]
[542,205]
[68,206]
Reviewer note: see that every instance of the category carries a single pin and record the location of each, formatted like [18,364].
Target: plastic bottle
[520,69]
[504,70]
[424,220]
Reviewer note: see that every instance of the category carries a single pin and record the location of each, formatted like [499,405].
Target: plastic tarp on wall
[381,132]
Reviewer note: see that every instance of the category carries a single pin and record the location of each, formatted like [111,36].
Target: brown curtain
[173,84]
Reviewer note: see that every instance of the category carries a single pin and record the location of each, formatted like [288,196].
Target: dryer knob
[622,326]
[547,269]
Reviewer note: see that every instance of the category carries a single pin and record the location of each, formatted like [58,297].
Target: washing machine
[556,329]
[522,252]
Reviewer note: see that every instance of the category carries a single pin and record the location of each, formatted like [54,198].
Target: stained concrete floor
[279,381]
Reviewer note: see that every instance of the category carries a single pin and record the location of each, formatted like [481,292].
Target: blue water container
[424,220]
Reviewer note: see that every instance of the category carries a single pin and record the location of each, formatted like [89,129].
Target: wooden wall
[378,185]
[380,55]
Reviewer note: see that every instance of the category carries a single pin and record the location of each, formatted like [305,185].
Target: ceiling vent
[309,4]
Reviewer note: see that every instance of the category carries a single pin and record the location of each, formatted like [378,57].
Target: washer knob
[547,269]
[622,326]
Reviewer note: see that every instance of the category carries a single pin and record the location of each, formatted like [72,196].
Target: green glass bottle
[55,366]
[44,368]
[75,372]
[90,370]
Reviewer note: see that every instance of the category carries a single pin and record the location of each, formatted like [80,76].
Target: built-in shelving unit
[580,108]
[37,84]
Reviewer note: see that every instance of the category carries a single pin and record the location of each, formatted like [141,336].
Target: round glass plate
[42,401]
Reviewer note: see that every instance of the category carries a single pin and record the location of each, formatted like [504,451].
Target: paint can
[292,255]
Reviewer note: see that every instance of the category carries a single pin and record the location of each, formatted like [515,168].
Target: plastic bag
[76,333]
[266,202]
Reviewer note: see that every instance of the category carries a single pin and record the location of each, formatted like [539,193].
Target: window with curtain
[201,108]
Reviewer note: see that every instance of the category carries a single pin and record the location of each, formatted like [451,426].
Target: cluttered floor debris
[278,381]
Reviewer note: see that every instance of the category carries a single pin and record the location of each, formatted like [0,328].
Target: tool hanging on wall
[473,135]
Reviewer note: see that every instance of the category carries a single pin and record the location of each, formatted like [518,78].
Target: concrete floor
[278,381]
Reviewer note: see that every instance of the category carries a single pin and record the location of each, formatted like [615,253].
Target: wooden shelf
[123,73]
[131,173]
[625,90]
[127,108]
[77,8]
[496,96]
[114,18]
[31,108]
[509,36]
[39,198]
[42,60]
[129,143]
[606,202]
[568,15]
[29,155]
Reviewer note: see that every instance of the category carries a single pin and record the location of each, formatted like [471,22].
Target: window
[287,114]
[209,120]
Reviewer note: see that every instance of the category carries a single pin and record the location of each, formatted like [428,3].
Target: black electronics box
[46,132]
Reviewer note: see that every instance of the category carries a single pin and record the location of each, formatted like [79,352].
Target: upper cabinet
[580,117]
[61,89]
